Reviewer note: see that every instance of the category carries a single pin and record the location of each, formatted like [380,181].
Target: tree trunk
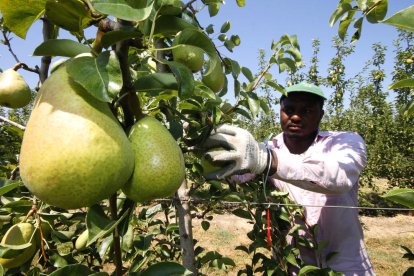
[185,227]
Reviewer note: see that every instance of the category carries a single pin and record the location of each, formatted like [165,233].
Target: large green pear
[14,91]
[74,152]
[159,162]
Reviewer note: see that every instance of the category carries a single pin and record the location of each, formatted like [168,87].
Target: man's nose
[295,117]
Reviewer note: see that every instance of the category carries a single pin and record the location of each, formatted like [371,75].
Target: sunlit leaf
[378,12]
[402,19]
[213,9]
[241,3]
[98,76]
[137,10]
[343,7]
[73,269]
[8,185]
[61,47]
[402,83]
[71,15]
[401,196]
[19,15]
[225,27]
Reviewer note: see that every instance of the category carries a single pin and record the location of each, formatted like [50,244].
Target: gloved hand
[241,152]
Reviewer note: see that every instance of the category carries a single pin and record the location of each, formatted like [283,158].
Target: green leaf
[165,269]
[112,37]
[8,185]
[343,7]
[401,196]
[402,83]
[137,10]
[242,213]
[156,82]
[254,104]
[344,24]
[247,73]
[168,25]
[402,19]
[205,225]
[185,78]
[213,9]
[358,27]
[225,27]
[98,224]
[100,76]
[19,15]
[241,3]
[61,47]
[71,15]
[74,269]
[306,269]
[377,13]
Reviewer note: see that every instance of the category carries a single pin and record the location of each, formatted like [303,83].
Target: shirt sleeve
[333,168]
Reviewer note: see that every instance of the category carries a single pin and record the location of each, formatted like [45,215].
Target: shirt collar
[278,140]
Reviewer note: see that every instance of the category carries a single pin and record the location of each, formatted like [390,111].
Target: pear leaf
[137,10]
[74,269]
[401,196]
[19,15]
[8,185]
[99,76]
[61,47]
[165,269]
[402,19]
[184,78]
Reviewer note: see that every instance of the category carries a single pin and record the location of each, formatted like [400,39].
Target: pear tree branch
[4,119]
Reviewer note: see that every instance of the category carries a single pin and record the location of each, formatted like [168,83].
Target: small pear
[159,162]
[74,152]
[14,91]
[19,234]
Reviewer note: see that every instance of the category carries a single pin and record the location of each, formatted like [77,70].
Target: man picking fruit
[317,169]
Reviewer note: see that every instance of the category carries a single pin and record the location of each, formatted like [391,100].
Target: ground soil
[383,236]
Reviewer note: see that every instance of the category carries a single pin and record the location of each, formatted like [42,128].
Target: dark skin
[300,116]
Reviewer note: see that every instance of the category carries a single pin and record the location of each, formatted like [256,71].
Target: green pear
[14,91]
[191,56]
[74,152]
[216,79]
[82,240]
[19,234]
[159,162]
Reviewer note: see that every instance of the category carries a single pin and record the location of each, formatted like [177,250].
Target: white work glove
[241,153]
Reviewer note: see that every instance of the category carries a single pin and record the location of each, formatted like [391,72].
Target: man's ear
[322,113]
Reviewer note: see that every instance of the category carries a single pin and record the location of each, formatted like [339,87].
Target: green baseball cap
[307,88]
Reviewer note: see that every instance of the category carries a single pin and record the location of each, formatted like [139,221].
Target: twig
[25,67]
[4,119]
[117,243]
[7,43]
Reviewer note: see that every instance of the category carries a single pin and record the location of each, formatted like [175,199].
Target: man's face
[300,115]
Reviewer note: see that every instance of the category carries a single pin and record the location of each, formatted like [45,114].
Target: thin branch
[7,43]
[25,67]
[4,119]
[115,234]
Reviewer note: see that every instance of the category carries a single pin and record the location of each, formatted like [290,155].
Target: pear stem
[117,242]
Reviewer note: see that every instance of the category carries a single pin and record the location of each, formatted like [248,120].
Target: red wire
[269,237]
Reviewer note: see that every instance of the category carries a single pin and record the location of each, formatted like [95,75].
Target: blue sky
[257,24]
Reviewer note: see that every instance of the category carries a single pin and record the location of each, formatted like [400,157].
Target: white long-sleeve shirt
[326,175]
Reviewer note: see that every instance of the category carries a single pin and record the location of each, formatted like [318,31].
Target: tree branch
[4,119]
[182,206]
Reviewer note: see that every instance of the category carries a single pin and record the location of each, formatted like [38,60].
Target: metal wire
[204,201]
